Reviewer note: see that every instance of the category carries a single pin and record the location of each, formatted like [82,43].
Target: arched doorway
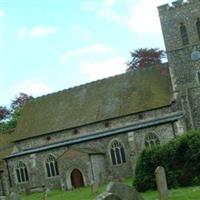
[77,178]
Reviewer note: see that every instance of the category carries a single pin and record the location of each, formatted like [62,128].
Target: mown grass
[190,193]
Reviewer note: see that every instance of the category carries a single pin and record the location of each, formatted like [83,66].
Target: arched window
[117,153]
[151,140]
[51,166]
[22,172]
[198,27]
[184,34]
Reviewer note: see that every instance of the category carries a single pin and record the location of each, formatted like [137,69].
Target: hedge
[180,158]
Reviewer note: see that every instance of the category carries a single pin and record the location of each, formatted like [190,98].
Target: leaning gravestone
[124,192]
[161,183]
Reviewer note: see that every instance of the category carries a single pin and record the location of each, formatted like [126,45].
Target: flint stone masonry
[183,69]
[161,183]
[124,192]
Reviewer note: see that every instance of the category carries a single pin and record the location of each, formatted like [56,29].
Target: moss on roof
[103,99]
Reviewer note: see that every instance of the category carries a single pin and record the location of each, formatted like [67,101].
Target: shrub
[180,158]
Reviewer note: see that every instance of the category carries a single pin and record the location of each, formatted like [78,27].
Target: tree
[4,113]
[9,117]
[144,57]
[19,101]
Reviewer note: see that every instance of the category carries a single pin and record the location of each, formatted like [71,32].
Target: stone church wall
[77,156]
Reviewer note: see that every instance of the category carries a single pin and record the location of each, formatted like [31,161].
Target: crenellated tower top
[177,5]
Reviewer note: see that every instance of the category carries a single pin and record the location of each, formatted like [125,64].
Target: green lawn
[190,193]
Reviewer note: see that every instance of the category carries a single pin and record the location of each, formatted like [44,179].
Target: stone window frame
[51,166]
[22,175]
[151,140]
[184,34]
[117,152]
[198,27]
[198,76]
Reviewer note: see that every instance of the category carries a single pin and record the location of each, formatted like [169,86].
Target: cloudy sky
[50,45]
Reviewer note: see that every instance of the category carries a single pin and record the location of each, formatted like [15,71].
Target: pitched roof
[100,100]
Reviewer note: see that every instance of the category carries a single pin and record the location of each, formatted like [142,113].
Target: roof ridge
[78,86]
[95,81]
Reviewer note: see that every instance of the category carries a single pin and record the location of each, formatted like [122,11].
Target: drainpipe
[173,129]
[9,177]
[2,186]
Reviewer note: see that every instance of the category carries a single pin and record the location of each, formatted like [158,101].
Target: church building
[95,132]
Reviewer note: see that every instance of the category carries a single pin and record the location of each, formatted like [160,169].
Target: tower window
[22,173]
[51,166]
[117,153]
[184,34]
[198,77]
[198,27]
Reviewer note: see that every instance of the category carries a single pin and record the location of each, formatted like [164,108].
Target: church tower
[181,31]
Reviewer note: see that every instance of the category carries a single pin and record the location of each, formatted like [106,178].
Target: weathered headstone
[122,191]
[161,183]
[14,196]
[108,196]
[125,192]
[27,191]
[94,187]
[2,197]
[47,192]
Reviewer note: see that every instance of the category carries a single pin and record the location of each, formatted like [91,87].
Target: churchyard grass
[190,193]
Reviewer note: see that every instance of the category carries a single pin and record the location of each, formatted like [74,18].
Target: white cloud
[32,87]
[2,13]
[144,17]
[112,16]
[81,33]
[41,31]
[36,32]
[89,5]
[141,16]
[109,2]
[92,49]
[106,68]
[22,32]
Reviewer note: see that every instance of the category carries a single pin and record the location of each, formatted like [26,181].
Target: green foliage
[190,193]
[180,158]
[9,117]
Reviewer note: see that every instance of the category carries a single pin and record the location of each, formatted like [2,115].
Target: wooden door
[77,178]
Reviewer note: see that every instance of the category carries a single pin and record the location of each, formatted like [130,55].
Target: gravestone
[108,196]
[122,191]
[2,197]
[161,183]
[46,193]
[14,196]
[94,187]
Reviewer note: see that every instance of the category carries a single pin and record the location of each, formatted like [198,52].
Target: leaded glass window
[117,153]
[22,172]
[151,140]
[51,166]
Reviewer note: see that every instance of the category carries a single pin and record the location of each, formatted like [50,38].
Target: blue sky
[46,46]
